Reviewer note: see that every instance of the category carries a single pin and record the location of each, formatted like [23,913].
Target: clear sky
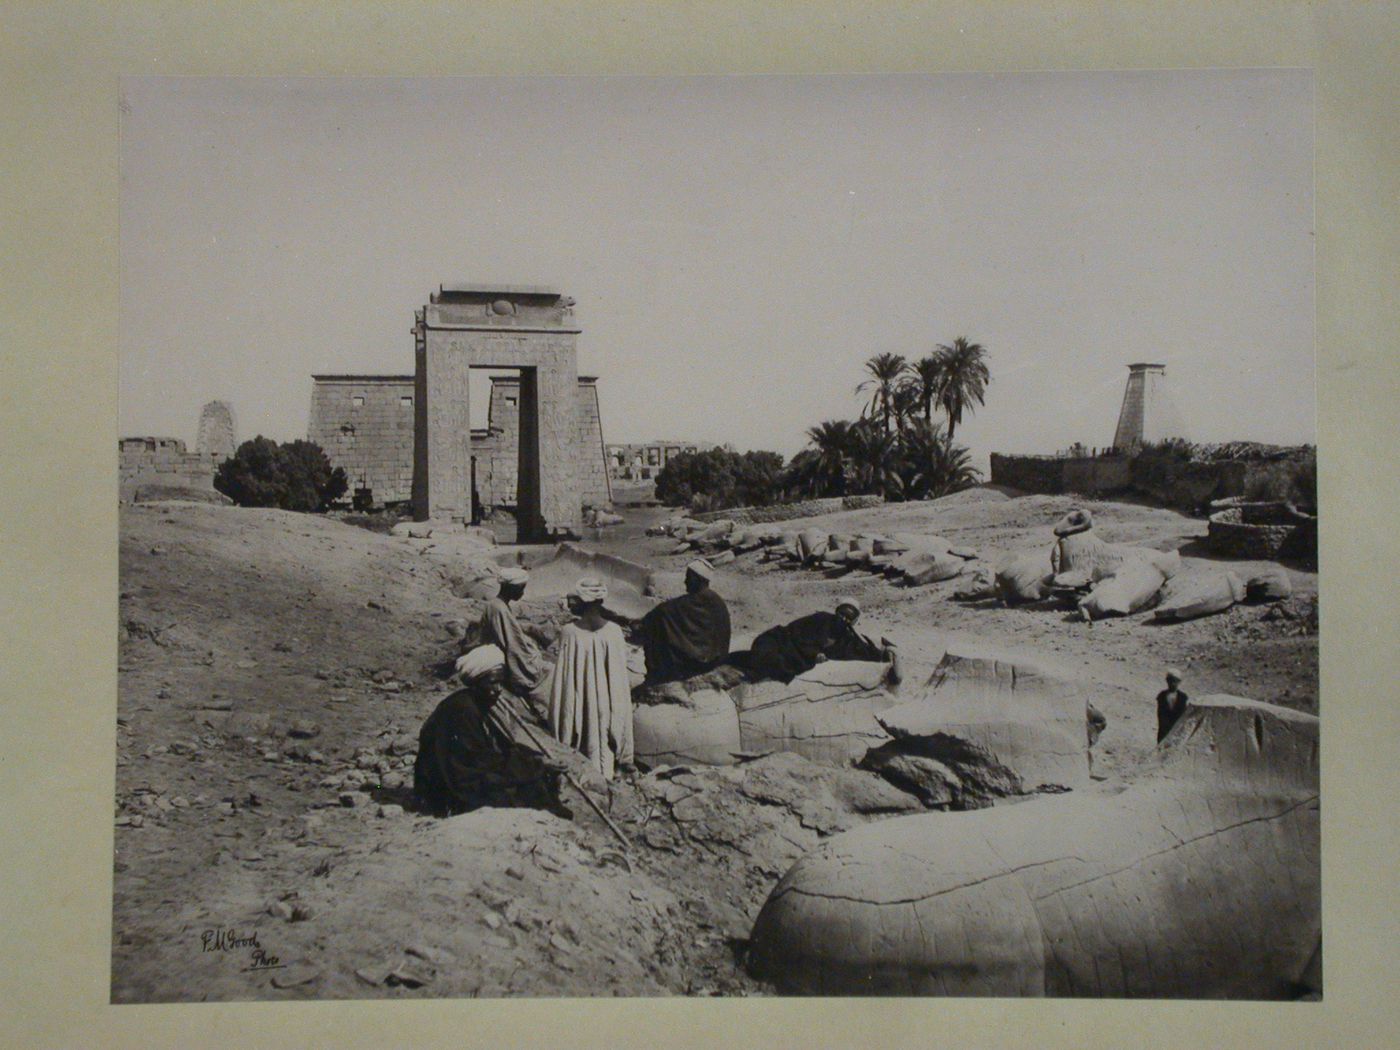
[738,246]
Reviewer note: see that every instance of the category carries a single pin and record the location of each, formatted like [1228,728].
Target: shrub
[292,476]
[718,478]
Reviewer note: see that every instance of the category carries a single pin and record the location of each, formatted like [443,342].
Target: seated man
[786,651]
[527,670]
[688,635]
[472,751]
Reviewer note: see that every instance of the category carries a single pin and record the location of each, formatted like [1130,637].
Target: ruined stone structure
[163,462]
[218,432]
[365,425]
[1148,414]
[407,438]
[644,461]
[496,455]
[524,327]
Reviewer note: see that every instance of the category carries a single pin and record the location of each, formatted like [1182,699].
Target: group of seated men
[520,724]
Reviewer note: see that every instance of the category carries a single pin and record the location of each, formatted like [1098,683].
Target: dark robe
[473,754]
[786,651]
[685,636]
[1171,704]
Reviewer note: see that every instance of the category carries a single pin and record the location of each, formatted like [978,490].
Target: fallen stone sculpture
[826,715]
[629,584]
[1025,578]
[1199,594]
[695,720]
[984,729]
[1133,587]
[1199,880]
[811,545]
[1080,558]
[1271,585]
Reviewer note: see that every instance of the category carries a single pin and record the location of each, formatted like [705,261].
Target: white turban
[513,574]
[701,568]
[480,662]
[590,589]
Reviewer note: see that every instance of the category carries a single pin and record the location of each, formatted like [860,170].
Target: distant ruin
[410,438]
[163,463]
[642,462]
[218,431]
[1148,414]
[365,424]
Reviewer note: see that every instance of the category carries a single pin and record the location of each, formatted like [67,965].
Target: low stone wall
[1043,475]
[163,462]
[1187,486]
[1054,475]
[1262,530]
[787,511]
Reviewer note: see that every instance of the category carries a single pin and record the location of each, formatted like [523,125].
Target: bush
[1285,480]
[292,476]
[719,478]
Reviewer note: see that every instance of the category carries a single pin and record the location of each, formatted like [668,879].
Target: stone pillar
[1132,416]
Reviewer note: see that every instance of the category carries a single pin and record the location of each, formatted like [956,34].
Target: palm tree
[885,370]
[965,379]
[831,442]
[926,380]
[932,465]
[875,459]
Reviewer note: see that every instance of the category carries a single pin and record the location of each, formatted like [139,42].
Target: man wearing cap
[472,751]
[688,635]
[590,694]
[788,650]
[1171,704]
[526,670]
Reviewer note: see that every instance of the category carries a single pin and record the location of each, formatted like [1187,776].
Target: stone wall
[1262,530]
[1186,486]
[592,460]
[162,461]
[787,511]
[364,423]
[1044,475]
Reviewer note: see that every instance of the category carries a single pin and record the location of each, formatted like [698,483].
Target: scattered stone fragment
[514,872]
[492,920]
[295,975]
[281,910]
[389,809]
[304,729]
[352,799]
[411,975]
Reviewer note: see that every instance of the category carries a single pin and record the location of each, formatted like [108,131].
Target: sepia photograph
[718,536]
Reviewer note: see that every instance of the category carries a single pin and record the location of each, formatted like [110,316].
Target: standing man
[527,672]
[590,695]
[1171,704]
[688,635]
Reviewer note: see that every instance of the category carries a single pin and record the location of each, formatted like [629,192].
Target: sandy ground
[274,667]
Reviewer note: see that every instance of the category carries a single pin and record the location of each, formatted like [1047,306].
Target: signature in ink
[226,939]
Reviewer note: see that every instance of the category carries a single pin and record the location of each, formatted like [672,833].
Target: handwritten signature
[224,939]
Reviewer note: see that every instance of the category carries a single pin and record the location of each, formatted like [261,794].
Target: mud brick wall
[1040,474]
[162,461]
[365,425]
[788,511]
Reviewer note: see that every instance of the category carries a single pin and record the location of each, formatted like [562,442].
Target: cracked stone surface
[985,729]
[1199,880]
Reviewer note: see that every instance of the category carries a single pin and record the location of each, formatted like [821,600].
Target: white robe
[590,696]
